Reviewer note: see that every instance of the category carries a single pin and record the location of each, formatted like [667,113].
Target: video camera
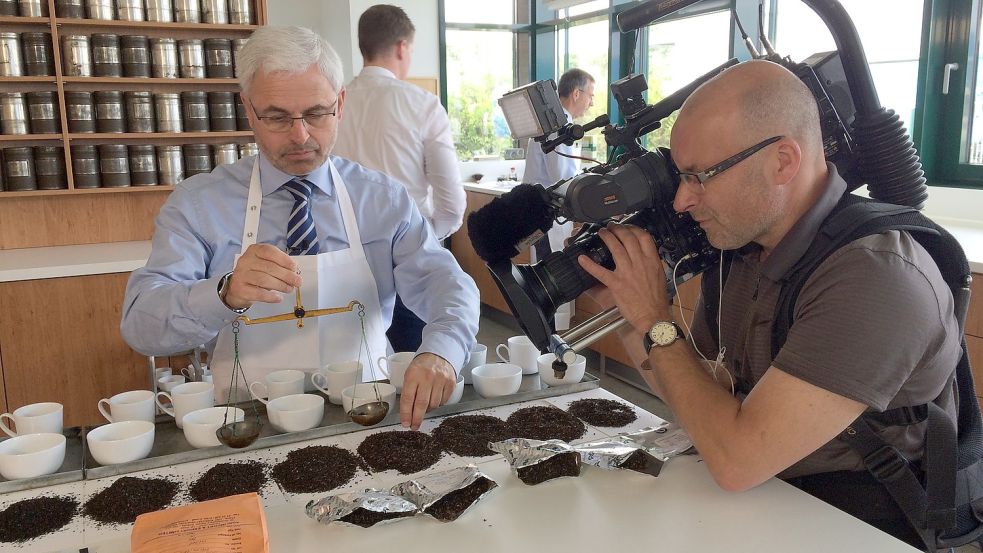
[866,142]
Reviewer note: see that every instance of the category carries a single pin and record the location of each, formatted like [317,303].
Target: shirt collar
[794,244]
[376,71]
[271,178]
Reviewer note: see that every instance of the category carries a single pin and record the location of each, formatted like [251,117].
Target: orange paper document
[234,524]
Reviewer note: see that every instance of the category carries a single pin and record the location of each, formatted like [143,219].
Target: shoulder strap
[711,283]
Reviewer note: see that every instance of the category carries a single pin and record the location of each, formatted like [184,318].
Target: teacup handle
[105,409]
[314,380]
[163,408]
[188,373]
[6,428]
[498,352]
[385,370]
[259,396]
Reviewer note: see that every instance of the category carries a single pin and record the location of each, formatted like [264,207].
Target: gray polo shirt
[874,323]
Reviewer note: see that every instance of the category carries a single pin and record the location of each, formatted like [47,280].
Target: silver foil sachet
[536,461]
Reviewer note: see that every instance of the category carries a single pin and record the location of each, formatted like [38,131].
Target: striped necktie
[301,234]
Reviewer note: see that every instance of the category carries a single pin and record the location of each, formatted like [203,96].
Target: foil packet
[536,461]
[446,495]
[664,441]
[365,508]
[613,454]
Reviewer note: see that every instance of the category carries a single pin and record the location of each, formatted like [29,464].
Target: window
[486,11]
[678,52]
[890,31]
[961,155]
[577,47]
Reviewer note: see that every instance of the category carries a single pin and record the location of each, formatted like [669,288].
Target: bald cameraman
[874,326]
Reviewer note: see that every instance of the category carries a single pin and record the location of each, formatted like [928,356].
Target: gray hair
[290,50]
[573,79]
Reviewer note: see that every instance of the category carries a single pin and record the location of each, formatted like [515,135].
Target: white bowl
[121,442]
[496,379]
[200,426]
[574,374]
[366,394]
[31,455]
[295,412]
[458,391]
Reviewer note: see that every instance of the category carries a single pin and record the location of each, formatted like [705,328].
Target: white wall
[337,21]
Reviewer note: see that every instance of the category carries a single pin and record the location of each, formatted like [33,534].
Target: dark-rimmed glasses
[702,177]
[283,123]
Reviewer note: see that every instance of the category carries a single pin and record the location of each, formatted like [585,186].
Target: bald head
[752,101]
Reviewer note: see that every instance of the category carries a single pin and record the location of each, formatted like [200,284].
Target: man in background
[576,90]
[401,130]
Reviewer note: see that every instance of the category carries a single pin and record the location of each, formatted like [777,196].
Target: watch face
[663,334]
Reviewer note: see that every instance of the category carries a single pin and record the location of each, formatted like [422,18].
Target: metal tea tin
[191,53]
[106,55]
[75,55]
[42,110]
[218,58]
[214,11]
[10,59]
[160,10]
[237,44]
[85,166]
[80,112]
[170,165]
[69,8]
[224,153]
[248,149]
[187,11]
[18,168]
[221,111]
[8,7]
[33,8]
[242,121]
[39,59]
[129,10]
[13,113]
[114,165]
[135,56]
[139,111]
[241,12]
[163,53]
[167,109]
[197,159]
[109,111]
[49,165]
[194,112]
[143,165]
[100,9]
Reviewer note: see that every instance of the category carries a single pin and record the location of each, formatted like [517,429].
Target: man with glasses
[400,129]
[874,327]
[254,238]
[576,91]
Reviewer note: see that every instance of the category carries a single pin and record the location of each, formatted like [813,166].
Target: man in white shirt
[576,91]
[403,131]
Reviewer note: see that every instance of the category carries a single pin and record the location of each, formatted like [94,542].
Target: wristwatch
[662,334]
[223,290]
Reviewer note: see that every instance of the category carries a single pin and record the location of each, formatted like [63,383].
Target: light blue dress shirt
[547,169]
[171,304]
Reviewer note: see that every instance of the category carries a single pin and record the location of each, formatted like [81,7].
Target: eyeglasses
[703,176]
[283,123]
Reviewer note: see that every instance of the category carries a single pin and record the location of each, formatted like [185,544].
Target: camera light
[533,111]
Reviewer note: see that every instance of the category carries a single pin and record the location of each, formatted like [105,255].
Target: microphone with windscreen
[511,222]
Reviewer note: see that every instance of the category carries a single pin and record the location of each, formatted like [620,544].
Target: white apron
[346,275]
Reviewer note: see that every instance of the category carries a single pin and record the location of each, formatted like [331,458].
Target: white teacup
[162,372]
[193,375]
[121,442]
[458,391]
[395,367]
[478,356]
[168,383]
[575,370]
[186,398]
[336,377]
[135,405]
[278,384]
[31,455]
[35,418]
[519,351]
[296,412]
[497,379]
[366,394]
[200,426]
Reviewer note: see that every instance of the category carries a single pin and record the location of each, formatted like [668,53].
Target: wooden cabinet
[60,342]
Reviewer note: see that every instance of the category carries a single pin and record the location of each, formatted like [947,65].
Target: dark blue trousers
[406,331]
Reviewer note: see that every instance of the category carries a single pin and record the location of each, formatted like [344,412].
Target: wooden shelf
[16,80]
[28,84]
[78,191]
[152,28]
[149,84]
[14,140]
[36,22]
[159,138]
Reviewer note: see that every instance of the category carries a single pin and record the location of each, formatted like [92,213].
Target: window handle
[946,74]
